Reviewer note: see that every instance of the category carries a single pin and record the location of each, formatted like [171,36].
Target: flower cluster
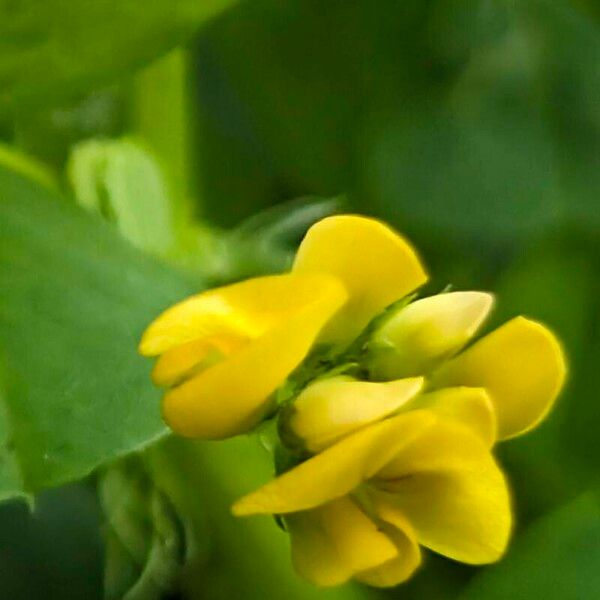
[387,413]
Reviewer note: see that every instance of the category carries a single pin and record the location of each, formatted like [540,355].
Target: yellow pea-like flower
[223,353]
[226,350]
[362,507]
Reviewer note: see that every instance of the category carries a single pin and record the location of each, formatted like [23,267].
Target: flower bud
[418,337]
[330,409]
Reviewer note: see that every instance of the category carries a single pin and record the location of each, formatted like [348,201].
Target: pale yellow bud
[330,409]
[421,335]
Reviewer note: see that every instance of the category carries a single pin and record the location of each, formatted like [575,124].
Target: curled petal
[329,409]
[522,367]
[333,542]
[421,335]
[408,559]
[376,265]
[337,470]
[450,488]
[231,396]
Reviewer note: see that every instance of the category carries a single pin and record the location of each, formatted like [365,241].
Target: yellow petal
[329,409]
[448,485]
[376,265]
[408,559]
[419,336]
[241,310]
[231,396]
[470,406]
[335,541]
[522,367]
[337,470]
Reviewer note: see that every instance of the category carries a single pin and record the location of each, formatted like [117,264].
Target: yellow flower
[397,462]
[222,353]
[361,508]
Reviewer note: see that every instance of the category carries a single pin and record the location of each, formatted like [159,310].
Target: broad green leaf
[74,299]
[557,558]
[121,181]
[57,48]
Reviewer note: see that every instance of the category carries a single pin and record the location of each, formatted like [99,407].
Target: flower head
[387,410]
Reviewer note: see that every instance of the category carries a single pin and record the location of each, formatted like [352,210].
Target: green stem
[162,115]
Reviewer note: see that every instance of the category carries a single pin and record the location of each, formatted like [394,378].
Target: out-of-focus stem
[162,115]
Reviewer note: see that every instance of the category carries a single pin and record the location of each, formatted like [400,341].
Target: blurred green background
[189,129]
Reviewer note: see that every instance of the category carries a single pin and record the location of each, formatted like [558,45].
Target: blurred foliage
[54,48]
[474,127]
[556,559]
[55,551]
[473,119]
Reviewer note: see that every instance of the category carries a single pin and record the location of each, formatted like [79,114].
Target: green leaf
[52,49]
[74,299]
[557,558]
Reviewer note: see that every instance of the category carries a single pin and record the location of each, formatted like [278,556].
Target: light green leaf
[74,299]
[57,48]
[557,558]
[123,182]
